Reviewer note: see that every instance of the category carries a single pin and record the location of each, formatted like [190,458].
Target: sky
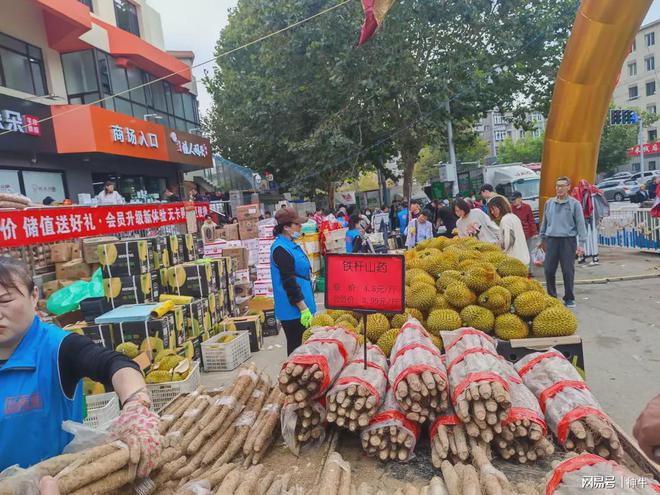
[197,29]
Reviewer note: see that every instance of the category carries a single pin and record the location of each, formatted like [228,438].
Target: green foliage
[469,148]
[614,145]
[316,109]
[526,150]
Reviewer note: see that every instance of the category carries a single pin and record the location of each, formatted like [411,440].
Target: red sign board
[365,282]
[24,227]
[649,149]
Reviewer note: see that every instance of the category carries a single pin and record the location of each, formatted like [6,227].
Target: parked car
[649,174]
[619,189]
[621,175]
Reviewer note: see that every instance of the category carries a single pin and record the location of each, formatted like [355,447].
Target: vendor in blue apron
[41,372]
[291,277]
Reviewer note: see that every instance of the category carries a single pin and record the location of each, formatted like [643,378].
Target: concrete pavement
[619,323]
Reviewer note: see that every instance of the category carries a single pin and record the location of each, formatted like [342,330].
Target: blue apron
[284,310]
[33,404]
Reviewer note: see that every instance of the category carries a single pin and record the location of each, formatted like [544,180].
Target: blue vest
[403,220]
[284,310]
[350,238]
[33,404]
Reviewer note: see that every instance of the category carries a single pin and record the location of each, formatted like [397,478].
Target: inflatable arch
[600,42]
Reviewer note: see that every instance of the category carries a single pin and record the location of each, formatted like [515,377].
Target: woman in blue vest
[41,372]
[291,277]
[353,232]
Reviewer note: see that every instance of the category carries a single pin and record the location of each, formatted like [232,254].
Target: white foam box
[242,277]
[214,248]
[263,258]
[263,271]
[233,244]
[263,288]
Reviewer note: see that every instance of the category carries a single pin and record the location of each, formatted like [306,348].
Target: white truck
[510,177]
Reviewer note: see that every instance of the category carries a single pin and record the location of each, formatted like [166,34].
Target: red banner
[24,227]
[649,149]
[365,282]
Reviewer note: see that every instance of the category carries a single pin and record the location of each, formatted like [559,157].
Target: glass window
[123,106]
[652,165]
[38,185]
[632,92]
[650,63]
[653,135]
[188,100]
[127,17]
[652,109]
[135,80]
[650,88]
[650,39]
[139,111]
[632,69]
[118,78]
[104,73]
[634,46]
[158,97]
[21,66]
[92,98]
[79,72]
[178,105]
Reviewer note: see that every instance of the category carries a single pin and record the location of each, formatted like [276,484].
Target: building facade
[496,127]
[637,88]
[88,94]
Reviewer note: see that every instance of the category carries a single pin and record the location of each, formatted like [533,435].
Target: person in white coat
[512,234]
[472,222]
[109,196]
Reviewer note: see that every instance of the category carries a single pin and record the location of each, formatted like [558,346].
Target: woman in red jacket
[524,212]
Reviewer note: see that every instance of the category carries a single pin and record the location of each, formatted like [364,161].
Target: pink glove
[137,427]
[647,429]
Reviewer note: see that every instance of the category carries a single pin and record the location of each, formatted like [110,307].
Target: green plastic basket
[320,284]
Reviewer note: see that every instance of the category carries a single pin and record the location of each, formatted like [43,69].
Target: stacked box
[252,246]
[100,334]
[214,249]
[253,325]
[160,252]
[197,318]
[73,270]
[175,249]
[335,241]
[90,247]
[137,331]
[266,228]
[187,243]
[134,289]
[118,259]
[239,255]
[190,279]
[230,232]
[270,327]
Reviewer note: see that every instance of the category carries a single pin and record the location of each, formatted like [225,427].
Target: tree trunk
[331,195]
[408,168]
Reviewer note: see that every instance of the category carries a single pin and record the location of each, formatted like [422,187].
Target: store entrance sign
[129,135]
[25,126]
[13,121]
[365,283]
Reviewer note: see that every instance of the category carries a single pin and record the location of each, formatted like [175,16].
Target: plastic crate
[163,393]
[101,409]
[226,357]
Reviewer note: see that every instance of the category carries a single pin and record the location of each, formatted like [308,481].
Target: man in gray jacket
[563,235]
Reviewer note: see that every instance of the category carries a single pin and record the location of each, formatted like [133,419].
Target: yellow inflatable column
[602,37]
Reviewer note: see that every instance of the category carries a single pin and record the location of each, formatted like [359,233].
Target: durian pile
[167,364]
[454,283]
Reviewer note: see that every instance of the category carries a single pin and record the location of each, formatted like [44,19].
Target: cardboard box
[118,259]
[244,290]
[248,212]
[76,250]
[191,279]
[160,253]
[242,277]
[136,289]
[218,266]
[197,318]
[180,315]
[93,307]
[270,326]
[175,249]
[231,232]
[72,270]
[248,229]
[262,304]
[263,288]
[239,257]
[253,325]
[187,241]
[89,245]
[100,334]
[50,287]
[137,331]
[61,253]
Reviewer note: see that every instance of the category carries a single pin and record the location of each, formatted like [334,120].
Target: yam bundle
[524,432]
[480,391]
[303,425]
[571,411]
[314,366]
[358,392]
[449,441]
[264,430]
[390,435]
[417,374]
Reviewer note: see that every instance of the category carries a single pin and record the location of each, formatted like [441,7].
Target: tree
[614,145]
[526,150]
[316,109]
[470,148]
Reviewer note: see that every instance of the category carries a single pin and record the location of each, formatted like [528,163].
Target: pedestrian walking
[419,229]
[512,234]
[640,196]
[563,235]
[472,222]
[594,208]
[524,212]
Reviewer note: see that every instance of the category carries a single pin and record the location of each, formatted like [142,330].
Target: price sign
[365,283]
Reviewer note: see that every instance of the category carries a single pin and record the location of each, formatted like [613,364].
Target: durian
[497,299]
[512,267]
[515,285]
[447,278]
[556,321]
[481,277]
[386,341]
[478,317]
[442,320]
[399,320]
[509,326]
[421,296]
[128,349]
[459,295]
[418,275]
[158,376]
[322,320]
[377,325]
[529,304]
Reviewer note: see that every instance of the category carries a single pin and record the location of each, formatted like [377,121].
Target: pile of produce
[359,391]
[303,425]
[449,441]
[571,410]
